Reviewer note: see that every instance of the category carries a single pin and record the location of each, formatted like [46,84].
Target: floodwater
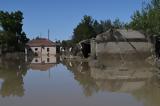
[52,81]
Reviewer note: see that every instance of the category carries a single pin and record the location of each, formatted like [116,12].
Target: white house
[41,46]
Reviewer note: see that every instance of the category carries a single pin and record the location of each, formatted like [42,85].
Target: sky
[62,16]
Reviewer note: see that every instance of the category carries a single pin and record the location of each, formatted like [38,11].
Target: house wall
[43,50]
[52,50]
[38,51]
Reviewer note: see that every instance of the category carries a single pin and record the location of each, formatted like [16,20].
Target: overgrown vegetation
[12,37]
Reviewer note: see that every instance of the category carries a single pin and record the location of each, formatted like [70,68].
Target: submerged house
[120,41]
[41,46]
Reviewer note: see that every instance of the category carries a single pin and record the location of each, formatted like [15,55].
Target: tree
[117,24]
[98,28]
[107,24]
[13,35]
[84,30]
[148,19]
[67,43]
[90,28]
[103,26]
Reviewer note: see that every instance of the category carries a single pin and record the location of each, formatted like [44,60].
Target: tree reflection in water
[12,72]
[81,71]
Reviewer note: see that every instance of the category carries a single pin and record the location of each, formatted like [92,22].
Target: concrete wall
[93,48]
[123,47]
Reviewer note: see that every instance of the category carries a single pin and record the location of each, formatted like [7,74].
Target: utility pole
[40,35]
[48,34]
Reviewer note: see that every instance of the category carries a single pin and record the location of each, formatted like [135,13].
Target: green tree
[98,28]
[84,29]
[67,43]
[117,23]
[148,19]
[107,24]
[90,28]
[103,26]
[13,35]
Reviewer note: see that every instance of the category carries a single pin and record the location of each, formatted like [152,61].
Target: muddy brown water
[109,82]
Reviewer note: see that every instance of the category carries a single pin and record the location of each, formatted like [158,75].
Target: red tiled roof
[40,42]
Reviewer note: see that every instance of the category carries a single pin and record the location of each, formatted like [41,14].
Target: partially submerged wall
[123,47]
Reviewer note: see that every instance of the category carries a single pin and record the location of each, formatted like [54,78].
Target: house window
[36,60]
[36,49]
[48,59]
[47,49]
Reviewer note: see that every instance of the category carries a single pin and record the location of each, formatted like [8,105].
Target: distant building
[41,46]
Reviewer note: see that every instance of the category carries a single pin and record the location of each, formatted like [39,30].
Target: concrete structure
[120,41]
[41,47]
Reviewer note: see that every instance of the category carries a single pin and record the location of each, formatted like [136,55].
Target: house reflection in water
[43,63]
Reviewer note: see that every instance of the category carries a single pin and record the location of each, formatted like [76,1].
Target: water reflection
[12,72]
[42,63]
[101,81]
[82,74]
[115,74]
[135,77]
[149,93]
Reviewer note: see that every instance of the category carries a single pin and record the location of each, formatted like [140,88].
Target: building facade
[40,47]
